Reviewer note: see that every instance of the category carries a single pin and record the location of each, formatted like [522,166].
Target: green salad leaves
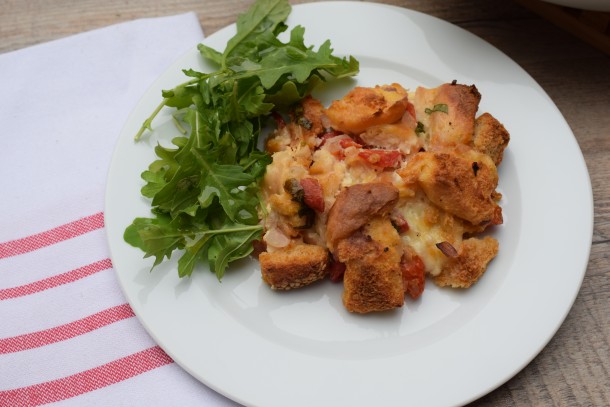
[204,189]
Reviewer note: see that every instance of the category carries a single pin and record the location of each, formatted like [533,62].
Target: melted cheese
[428,226]
[336,163]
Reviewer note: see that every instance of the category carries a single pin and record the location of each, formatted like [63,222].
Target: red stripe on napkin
[66,331]
[87,381]
[52,236]
[64,278]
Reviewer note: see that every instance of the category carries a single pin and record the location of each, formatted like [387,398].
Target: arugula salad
[204,189]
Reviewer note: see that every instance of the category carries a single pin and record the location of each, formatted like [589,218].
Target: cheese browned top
[380,189]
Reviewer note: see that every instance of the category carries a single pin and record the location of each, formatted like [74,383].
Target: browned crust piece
[373,277]
[471,262]
[456,125]
[293,267]
[490,137]
[355,205]
[364,107]
[462,184]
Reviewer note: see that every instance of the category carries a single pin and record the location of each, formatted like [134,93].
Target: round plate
[302,348]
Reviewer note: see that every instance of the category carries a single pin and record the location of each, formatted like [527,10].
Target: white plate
[301,348]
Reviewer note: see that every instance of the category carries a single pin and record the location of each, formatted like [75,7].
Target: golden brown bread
[362,108]
[462,183]
[373,277]
[448,113]
[294,266]
[490,137]
[469,265]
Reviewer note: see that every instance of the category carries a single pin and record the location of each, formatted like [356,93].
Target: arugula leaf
[179,97]
[230,247]
[156,237]
[223,182]
[288,60]
[263,21]
[204,188]
[210,53]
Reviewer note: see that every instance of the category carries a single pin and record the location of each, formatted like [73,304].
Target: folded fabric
[68,334]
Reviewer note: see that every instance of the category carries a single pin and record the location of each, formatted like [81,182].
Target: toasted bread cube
[448,111]
[373,276]
[490,137]
[469,265]
[462,184]
[295,266]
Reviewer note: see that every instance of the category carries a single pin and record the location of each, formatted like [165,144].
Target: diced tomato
[312,194]
[382,158]
[345,143]
[413,275]
[336,270]
[348,142]
[339,154]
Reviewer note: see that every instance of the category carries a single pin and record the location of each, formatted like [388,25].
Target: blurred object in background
[588,20]
[597,5]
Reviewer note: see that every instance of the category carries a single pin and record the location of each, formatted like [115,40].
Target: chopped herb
[305,122]
[420,128]
[441,107]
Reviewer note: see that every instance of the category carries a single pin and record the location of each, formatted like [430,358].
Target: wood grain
[574,369]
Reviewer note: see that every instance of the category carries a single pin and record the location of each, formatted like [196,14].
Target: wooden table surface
[574,368]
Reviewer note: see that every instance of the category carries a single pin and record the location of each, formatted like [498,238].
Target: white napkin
[67,334]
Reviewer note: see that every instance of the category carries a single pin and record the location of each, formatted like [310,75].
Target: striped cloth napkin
[67,334]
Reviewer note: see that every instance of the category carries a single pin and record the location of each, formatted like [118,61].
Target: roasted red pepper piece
[413,275]
[382,158]
[348,142]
